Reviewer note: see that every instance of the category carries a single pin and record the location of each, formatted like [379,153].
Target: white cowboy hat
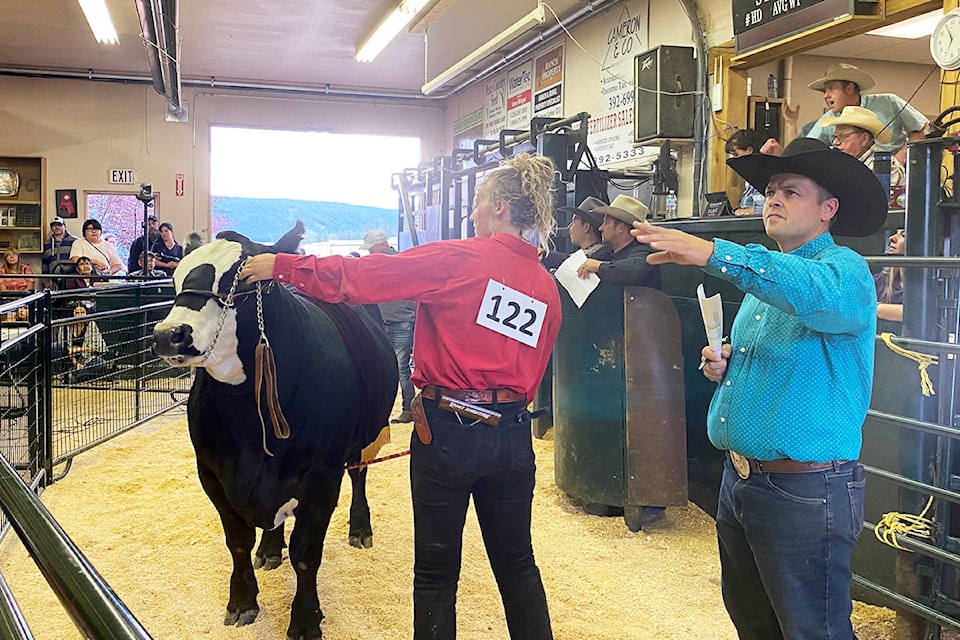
[844,73]
[864,119]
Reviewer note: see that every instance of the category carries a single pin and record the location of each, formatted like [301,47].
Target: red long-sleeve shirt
[451,280]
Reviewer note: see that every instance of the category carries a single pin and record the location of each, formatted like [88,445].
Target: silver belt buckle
[741,464]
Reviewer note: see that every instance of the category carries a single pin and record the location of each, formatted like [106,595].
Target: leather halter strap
[219,298]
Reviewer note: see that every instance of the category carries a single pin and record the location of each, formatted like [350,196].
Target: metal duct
[160,26]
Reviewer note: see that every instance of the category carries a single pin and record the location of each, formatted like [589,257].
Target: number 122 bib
[511,313]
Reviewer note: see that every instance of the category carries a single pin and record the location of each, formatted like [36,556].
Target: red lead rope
[357,465]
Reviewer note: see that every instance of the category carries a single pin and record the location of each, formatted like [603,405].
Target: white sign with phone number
[611,129]
[512,313]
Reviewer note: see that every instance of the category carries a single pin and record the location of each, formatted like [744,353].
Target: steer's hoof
[267,563]
[305,634]
[241,618]
[361,540]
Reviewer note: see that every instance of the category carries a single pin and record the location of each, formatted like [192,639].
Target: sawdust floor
[136,509]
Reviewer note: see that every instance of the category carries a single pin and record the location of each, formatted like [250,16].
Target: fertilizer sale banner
[611,128]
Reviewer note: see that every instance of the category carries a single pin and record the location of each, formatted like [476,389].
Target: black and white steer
[263,459]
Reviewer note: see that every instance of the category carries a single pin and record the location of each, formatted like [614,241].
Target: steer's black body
[336,382]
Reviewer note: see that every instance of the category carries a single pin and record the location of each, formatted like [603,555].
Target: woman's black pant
[496,466]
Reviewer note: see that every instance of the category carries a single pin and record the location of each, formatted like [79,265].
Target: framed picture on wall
[66,203]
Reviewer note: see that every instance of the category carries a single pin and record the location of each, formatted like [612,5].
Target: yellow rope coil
[895,524]
[923,361]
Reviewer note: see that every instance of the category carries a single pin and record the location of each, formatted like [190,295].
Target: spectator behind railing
[13,265]
[85,348]
[151,271]
[86,276]
[889,282]
[102,254]
[169,253]
[56,251]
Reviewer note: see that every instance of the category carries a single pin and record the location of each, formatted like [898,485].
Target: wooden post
[730,118]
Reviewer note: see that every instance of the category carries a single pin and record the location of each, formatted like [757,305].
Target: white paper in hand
[578,288]
[712,311]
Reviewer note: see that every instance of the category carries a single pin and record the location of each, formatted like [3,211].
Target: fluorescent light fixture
[387,30]
[528,21]
[99,20]
[912,28]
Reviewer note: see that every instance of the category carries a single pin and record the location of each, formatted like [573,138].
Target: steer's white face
[194,319]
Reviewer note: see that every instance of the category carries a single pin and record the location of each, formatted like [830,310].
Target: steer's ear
[289,242]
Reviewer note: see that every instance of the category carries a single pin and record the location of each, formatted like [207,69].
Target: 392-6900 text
[620,100]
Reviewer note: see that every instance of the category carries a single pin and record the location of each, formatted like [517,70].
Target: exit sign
[122,176]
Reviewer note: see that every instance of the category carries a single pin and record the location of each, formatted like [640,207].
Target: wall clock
[945,41]
[9,183]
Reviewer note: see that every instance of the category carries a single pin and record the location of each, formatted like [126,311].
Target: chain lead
[227,305]
[263,333]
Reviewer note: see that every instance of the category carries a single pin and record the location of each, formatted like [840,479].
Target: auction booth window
[263,181]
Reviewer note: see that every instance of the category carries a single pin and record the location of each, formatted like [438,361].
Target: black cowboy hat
[585,211]
[863,203]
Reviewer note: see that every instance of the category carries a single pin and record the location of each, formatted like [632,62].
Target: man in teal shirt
[793,390]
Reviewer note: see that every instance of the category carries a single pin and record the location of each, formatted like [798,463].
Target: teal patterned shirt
[799,378]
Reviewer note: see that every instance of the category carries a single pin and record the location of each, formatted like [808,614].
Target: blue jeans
[785,545]
[496,466]
[401,337]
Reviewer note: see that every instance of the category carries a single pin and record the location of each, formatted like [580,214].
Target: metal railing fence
[70,380]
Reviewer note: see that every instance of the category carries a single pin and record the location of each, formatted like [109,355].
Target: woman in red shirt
[487,318]
[13,265]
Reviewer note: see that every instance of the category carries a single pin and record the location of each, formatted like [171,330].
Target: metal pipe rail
[930,345]
[890,419]
[914,261]
[902,602]
[513,140]
[13,626]
[92,605]
[506,142]
[921,547]
[916,485]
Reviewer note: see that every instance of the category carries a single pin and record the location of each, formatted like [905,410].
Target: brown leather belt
[474,396]
[779,466]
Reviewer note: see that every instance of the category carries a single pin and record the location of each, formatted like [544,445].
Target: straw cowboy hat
[625,209]
[373,238]
[844,73]
[864,119]
[587,211]
[863,201]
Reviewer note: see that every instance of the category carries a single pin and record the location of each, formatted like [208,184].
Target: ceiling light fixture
[99,20]
[512,32]
[388,29]
[919,27]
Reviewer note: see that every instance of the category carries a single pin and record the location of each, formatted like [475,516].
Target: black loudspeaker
[665,79]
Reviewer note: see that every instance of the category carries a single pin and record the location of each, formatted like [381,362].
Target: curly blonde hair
[525,182]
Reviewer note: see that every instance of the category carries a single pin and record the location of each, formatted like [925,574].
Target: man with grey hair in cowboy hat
[793,388]
[628,265]
[397,318]
[844,85]
[859,133]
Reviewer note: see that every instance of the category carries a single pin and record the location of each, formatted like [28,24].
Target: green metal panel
[589,431]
